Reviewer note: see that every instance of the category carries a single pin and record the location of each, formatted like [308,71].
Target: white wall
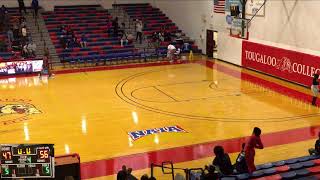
[288,24]
[189,15]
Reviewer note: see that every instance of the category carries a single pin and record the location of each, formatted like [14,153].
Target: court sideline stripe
[189,153]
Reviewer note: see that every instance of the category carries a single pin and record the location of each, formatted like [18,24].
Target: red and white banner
[286,64]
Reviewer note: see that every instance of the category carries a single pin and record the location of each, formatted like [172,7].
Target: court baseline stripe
[197,151]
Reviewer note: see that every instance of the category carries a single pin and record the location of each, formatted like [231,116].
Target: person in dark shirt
[315,88]
[130,176]
[122,175]
[22,6]
[241,165]
[144,177]
[35,6]
[115,26]
[316,150]
[83,41]
[222,161]
[3,10]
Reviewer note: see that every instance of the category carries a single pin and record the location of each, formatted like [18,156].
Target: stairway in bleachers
[154,19]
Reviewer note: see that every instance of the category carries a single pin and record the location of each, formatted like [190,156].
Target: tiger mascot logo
[15,111]
[26,109]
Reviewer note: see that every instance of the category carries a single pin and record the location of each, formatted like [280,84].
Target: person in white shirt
[170,52]
[139,31]
[32,48]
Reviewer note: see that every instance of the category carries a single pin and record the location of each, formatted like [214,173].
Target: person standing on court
[253,142]
[315,88]
[22,6]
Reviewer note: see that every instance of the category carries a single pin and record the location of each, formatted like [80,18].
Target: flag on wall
[219,6]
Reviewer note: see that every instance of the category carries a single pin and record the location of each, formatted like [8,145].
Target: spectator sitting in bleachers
[130,176]
[15,31]
[63,29]
[83,41]
[3,46]
[63,42]
[124,41]
[177,53]
[16,46]
[211,175]
[74,42]
[32,47]
[316,149]
[25,52]
[241,166]
[10,36]
[130,38]
[122,174]
[144,177]
[167,36]
[222,161]
[122,30]
[69,31]
[24,33]
[22,21]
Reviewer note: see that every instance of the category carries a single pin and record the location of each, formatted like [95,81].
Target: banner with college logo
[294,66]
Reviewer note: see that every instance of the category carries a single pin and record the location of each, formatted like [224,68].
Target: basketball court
[113,117]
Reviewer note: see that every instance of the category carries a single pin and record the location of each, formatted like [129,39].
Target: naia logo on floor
[134,135]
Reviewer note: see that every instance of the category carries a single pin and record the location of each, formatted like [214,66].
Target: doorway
[212,38]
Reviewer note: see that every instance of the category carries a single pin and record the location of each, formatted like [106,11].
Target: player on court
[315,88]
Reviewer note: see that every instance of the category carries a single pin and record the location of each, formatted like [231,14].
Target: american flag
[218,6]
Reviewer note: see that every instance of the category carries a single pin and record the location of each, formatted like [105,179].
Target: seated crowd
[221,165]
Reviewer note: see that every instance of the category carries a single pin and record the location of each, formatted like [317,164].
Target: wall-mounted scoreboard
[27,161]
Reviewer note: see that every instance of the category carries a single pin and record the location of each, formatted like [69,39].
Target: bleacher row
[153,19]
[306,167]
[90,21]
